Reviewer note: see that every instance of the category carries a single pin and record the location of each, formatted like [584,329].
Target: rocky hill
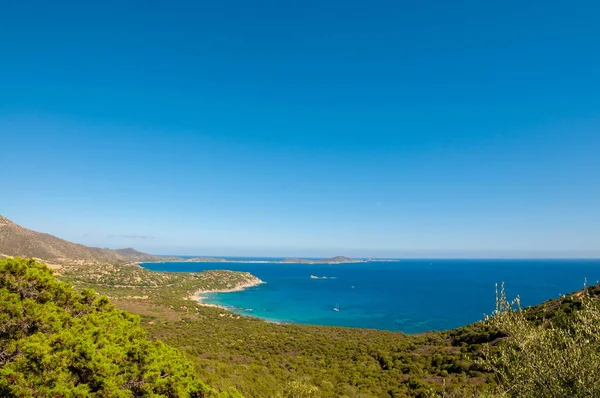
[19,241]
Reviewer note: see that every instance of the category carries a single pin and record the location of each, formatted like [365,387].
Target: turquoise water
[411,296]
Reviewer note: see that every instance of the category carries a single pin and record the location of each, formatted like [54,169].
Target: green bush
[547,359]
[57,342]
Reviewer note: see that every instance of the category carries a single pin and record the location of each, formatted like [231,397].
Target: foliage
[122,277]
[57,342]
[262,359]
[296,389]
[556,358]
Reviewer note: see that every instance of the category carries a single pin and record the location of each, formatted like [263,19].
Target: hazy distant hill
[18,241]
[137,256]
[330,260]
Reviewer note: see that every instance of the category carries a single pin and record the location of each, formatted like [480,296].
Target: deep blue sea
[411,296]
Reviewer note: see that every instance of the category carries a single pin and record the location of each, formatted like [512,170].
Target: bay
[410,296]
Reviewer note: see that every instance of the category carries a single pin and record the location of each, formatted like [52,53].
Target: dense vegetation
[119,278]
[58,342]
[266,359]
[260,358]
[557,357]
[263,359]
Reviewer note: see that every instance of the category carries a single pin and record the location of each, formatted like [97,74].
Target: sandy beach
[197,296]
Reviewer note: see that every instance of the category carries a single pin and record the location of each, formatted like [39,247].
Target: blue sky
[389,129]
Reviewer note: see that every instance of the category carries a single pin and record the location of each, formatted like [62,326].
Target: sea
[410,296]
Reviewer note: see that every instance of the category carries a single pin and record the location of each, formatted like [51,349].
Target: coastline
[197,295]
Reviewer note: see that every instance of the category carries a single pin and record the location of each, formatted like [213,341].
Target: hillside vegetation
[262,359]
[58,342]
[559,357]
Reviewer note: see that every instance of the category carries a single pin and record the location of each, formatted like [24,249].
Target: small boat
[336,308]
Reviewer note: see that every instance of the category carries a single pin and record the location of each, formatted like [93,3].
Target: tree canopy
[58,342]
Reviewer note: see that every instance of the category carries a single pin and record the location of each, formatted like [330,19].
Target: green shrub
[547,359]
[57,342]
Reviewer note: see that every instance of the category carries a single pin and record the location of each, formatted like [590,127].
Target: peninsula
[228,281]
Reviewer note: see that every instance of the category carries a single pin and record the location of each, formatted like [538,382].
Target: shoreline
[197,295]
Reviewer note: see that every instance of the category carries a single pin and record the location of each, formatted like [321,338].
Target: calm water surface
[411,296]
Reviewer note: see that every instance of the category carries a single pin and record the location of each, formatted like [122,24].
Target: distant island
[331,260]
[206,260]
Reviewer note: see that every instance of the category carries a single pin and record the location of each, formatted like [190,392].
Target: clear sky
[304,128]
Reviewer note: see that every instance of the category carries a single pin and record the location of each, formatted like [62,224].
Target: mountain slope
[18,241]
